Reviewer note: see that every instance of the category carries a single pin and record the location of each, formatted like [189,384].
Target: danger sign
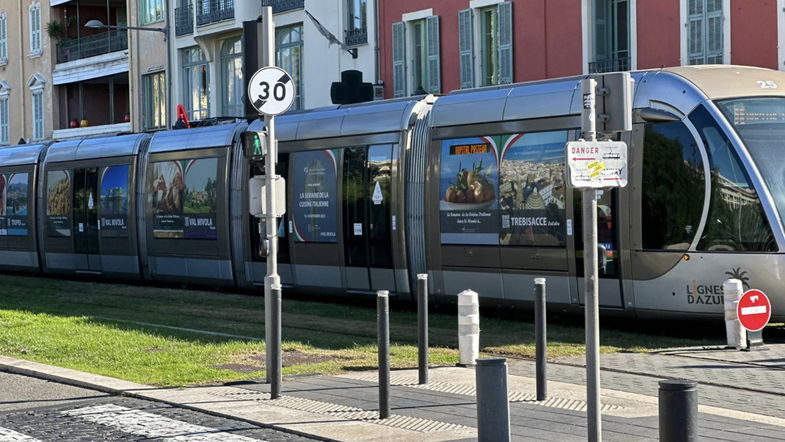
[597,164]
[754,310]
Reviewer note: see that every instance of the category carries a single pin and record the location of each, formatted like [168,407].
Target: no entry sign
[754,310]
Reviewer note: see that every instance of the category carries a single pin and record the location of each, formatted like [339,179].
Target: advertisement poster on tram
[314,181]
[13,204]
[58,203]
[114,201]
[183,195]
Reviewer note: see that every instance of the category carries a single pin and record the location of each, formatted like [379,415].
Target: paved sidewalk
[738,391]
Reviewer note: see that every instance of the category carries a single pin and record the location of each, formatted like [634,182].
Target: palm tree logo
[738,273]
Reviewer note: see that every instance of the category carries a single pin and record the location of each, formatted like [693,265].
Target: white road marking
[7,435]
[152,425]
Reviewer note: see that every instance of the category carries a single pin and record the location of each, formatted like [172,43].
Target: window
[154,101]
[356,22]
[38,114]
[152,11]
[420,39]
[492,44]
[3,38]
[4,134]
[611,51]
[705,31]
[673,186]
[34,15]
[196,83]
[289,44]
[233,92]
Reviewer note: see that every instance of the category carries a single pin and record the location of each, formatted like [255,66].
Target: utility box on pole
[614,102]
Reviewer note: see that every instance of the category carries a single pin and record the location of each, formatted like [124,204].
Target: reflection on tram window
[736,219]
[673,189]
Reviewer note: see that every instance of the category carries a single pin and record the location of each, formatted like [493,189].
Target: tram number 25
[767,84]
[279,91]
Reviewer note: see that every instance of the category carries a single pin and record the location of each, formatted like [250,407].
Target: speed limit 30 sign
[271,90]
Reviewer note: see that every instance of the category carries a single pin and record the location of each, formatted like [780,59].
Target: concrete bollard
[734,331]
[468,327]
[493,407]
[678,404]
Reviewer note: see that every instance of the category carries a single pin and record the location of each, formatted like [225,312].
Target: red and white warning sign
[597,164]
[754,310]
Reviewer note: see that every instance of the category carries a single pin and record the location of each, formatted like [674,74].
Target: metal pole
[590,274]
[272,282]
[678,404]
[422,326]
[493,407]
[383,322]
[540,338]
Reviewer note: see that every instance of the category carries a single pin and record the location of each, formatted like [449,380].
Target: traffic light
[254,147]
[351,89]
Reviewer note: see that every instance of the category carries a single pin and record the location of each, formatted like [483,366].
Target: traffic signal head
[254,146]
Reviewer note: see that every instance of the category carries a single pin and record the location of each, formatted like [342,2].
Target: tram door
[608,240]
[86,218]
[367,177]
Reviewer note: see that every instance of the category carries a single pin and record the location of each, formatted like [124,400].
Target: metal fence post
[540,337]
[678,403]
[493,406]
[422,327]
[383,322]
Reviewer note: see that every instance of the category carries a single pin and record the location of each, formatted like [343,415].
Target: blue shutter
[434,64]
[399,59]
[505,42]
[466,47]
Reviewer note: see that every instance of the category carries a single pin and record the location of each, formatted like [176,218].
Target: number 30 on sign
[271,91]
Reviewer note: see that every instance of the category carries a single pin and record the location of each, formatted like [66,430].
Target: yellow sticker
[597,166]
[592,165]
[594,174]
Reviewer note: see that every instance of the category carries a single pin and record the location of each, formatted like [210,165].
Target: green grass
[86,326]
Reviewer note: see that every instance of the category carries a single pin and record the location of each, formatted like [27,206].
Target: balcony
[213,11]
[355,37]
[184,19]
[92,45]
[284,5]
[609,65]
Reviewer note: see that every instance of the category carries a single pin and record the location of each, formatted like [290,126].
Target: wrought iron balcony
[212,11]
[184,19]
[92,45]
[355,37]
[609,65]
[284,5]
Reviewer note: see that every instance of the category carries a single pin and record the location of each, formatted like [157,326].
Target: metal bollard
[468,327]
[383,322]
[734,331]
[493,407]
[678,403]
[540,337]
[422,327]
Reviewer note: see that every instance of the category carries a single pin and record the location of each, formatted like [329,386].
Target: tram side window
[314,183]
[531,190]
[673,187]
[736,219]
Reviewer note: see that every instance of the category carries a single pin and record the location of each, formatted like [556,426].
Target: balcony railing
[609,65]
[92,45]
[184,19]
[211,11]
[284,5]
[355,37]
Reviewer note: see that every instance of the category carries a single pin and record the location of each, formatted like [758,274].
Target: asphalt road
[32,409]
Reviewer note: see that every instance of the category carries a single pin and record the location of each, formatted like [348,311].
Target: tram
[469,187]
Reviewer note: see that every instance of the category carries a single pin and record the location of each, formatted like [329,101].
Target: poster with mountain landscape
[13,204]
[183,195]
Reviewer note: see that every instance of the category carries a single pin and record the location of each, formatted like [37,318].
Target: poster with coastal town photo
[183,196]
[13,204]
[114,201]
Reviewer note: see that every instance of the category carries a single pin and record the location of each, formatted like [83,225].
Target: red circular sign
[754,310]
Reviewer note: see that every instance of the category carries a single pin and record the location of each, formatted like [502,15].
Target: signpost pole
[591,277]
[272,282]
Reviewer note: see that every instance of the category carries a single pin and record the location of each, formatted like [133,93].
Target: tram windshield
[760,123]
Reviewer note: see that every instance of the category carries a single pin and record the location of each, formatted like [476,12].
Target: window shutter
[695,29]
[434,64]
[505,42]
[466,47]
[399,59]
[714,25]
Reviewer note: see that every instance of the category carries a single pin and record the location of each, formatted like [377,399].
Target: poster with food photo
[58,202]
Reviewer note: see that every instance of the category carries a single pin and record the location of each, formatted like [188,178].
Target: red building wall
[659,27]
[754,33]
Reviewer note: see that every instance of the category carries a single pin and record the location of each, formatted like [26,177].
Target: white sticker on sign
[394,223]
[358,229]
[377,197]
[755,310]
[597,164]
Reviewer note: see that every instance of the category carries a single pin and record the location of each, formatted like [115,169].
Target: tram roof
[99,147]
[221,135]
[720,81]
[21,154]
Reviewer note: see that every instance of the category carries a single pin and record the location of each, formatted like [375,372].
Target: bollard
[468,327]
[678,403]
[493,407]
[383,322]
[734,331]
[540,337]
[422,327]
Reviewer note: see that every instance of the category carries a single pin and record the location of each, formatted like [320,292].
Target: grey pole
[541,340]
[590,274]
[383,322]
[422,326]
[493,407]
[678,403]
